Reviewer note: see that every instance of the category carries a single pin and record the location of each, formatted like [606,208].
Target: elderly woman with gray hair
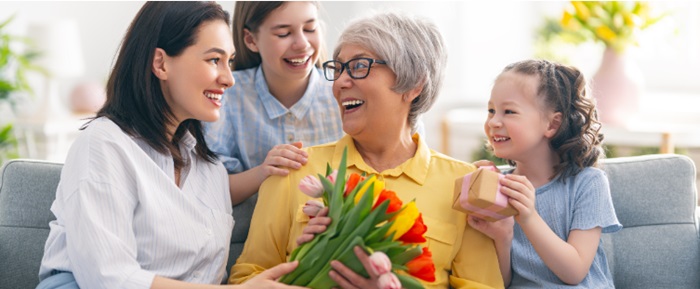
[386,70]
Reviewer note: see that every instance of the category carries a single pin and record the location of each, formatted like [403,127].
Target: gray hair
[413,48]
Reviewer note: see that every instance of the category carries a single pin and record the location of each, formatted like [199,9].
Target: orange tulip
[394,202]
[415,233]
[422,266]
[352,183]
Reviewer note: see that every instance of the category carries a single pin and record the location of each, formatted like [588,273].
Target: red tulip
[415,233]
[422,266]
[394,202]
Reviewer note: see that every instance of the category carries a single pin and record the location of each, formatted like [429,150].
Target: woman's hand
[347,279]
[283,157]
[268,279]
[522,196]
[317,225]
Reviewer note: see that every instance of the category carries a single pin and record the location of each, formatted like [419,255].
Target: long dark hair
[563,88]
[135,99]
[250,15]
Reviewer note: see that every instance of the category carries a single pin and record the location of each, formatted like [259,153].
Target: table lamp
[61,55]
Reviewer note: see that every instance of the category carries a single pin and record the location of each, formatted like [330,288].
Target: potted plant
[617,24]
[14,64]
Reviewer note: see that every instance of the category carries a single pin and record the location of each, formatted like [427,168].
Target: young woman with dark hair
[142,202]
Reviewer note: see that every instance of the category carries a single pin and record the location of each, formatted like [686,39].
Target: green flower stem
[305,264]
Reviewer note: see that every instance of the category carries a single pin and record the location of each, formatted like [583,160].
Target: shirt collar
[274,108]
[415,168]
[188,141]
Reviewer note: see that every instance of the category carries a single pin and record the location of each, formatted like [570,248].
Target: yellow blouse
[463,256]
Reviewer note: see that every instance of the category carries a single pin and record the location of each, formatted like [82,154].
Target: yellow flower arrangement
[615,23]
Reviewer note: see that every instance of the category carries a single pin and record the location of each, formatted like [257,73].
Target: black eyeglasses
[358,68]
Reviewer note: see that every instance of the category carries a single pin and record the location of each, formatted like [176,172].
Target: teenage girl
[281,99]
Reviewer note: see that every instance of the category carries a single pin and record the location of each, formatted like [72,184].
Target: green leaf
[4,23]
[6,136]
[378,234]
[385,245]
[336,197]
[408,282]
[407,255]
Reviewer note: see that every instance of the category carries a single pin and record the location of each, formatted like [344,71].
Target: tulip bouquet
[363,214]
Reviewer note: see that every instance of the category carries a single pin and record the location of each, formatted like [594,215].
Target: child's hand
[282,157]
[501,230]
[483,163]
[522,196]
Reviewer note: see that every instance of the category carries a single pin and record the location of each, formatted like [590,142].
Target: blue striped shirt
[253,121]
[121,220]
[582,202]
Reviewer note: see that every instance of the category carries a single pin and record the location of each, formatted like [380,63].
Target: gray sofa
[655,198]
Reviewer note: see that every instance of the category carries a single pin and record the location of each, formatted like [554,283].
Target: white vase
[617,87]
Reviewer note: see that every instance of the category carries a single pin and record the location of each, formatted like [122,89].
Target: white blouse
[121,219]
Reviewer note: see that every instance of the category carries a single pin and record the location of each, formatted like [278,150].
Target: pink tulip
[389,281]
[312,207]
[311,186]
[333,176]
[379,263]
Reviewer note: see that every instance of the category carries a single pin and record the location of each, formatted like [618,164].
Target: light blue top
[581,202]
[253,121]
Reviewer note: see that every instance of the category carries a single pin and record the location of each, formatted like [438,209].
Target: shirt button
[290,137]
[197,274]
[208,232]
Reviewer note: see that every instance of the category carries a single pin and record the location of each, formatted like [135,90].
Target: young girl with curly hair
[543,121]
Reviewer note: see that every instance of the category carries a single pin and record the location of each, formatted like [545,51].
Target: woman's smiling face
[196,79]
[288,40]
[369,106]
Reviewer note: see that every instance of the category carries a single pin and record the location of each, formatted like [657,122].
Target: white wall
[482,38]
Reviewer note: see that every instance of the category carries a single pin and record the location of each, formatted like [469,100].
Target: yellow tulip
[403,221]
[627,16]
[605,33]
[581,10]
[566,19]
[378,187]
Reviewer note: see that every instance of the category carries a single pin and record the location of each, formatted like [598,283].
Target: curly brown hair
[563,88]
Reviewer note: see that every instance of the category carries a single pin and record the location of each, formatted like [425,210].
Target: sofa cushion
[27,190]
[655,200]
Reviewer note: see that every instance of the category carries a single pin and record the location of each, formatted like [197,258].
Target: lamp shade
[58,43]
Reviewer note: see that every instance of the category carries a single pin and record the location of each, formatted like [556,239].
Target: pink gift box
[479,194]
